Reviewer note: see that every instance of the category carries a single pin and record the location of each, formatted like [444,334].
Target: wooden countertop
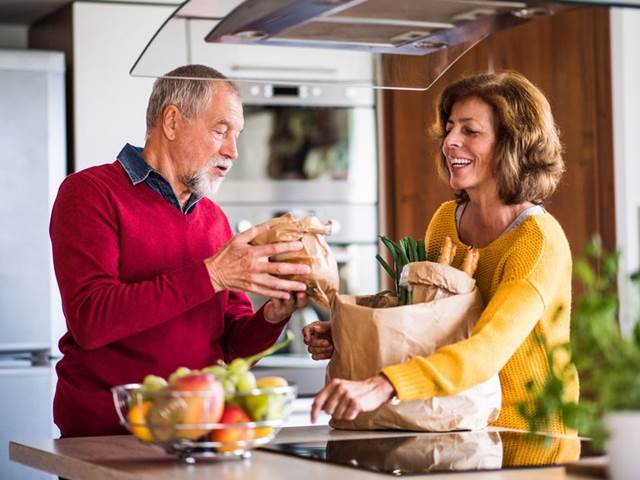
[124,458]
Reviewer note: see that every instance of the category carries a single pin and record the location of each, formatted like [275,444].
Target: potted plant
[608,364]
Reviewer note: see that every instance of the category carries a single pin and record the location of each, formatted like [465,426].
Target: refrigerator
[32,166]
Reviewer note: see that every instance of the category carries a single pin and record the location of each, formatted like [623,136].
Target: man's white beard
[205,184]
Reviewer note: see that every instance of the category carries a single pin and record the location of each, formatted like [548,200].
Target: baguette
[470,262]
[448,252]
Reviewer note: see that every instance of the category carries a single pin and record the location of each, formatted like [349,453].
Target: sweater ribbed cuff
[259,316]
[409,381]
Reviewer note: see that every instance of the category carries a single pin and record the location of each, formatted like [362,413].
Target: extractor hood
[334,41]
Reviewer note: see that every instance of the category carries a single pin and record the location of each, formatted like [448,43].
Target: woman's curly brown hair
[528,154]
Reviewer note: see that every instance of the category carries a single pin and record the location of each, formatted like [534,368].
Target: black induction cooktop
[442,452]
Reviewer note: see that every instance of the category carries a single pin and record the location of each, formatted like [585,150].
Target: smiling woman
[501,154]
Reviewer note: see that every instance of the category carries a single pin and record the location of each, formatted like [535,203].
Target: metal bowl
[157,419]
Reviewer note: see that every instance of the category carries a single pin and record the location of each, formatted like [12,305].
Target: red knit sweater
[136,294]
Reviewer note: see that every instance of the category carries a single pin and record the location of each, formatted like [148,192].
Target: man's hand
[241,266]
[344,399]
[276,310]
[317,337]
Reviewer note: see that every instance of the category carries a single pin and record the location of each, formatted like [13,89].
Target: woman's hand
[317,337]
[278,310]
[344,399]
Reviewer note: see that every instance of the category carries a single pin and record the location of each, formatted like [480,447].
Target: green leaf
[412,249]
[402,254]
[422,251]
[593,248]
[585,273]
[392,247]
[386,266]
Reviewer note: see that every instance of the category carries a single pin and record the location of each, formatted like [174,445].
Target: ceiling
[25,12]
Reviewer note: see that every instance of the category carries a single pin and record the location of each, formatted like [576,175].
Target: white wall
[625,58]
[13,36]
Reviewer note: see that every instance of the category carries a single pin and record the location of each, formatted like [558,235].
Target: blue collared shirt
[138,170]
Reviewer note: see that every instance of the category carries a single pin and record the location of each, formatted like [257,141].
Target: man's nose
[230,148]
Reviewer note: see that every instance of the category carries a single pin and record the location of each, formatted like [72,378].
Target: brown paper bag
[323,281]
[368,339]
[429,281]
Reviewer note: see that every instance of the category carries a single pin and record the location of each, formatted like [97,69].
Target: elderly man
[149,273]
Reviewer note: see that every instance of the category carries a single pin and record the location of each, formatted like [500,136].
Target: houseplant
[608,364]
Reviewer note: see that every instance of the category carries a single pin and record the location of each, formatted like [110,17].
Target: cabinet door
[25,414]
[109,105]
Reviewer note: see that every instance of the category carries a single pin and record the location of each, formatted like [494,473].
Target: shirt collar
[137,169]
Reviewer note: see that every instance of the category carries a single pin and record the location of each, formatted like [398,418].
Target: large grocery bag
[367,339]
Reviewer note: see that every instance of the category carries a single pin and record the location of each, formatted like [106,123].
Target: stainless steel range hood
[333,41]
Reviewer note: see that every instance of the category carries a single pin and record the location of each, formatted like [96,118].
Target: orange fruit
[263,432]
[271,382]
[232,414]
[137,418]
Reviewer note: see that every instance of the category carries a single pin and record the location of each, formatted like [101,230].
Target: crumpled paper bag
[323,281]
[421,453]
[428,281]
[368,339]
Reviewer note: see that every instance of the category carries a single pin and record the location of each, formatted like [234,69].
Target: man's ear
[171,118]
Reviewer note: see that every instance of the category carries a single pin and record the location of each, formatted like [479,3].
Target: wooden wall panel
[567,56]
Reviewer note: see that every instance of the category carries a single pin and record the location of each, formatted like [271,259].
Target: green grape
[180,372]
[150,385]
[218,371]
[265,407]
[238,366]
[229,387]
[153,383]
[246,381]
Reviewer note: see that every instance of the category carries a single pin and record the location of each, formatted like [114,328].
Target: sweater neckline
[160,200]
[515,226]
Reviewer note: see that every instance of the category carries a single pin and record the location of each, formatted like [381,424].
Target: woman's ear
[171,117]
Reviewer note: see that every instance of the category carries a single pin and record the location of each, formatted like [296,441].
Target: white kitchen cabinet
[109,106]
[106,39]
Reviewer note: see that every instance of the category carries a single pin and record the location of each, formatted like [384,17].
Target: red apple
[232,414]
[203,397]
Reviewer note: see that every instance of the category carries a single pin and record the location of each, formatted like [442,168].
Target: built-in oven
[310,150]
[305,144]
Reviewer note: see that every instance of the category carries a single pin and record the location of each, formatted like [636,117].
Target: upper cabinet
[102,42]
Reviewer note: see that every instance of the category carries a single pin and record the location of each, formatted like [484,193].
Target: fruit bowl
[177,420]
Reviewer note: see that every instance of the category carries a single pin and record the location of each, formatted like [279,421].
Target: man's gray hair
[189,88]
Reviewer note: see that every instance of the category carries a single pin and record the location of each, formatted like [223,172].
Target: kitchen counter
[123,457]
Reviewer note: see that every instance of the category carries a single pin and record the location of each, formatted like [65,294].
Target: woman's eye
[470,131]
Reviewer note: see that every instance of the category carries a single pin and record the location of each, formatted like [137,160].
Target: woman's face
[469,145]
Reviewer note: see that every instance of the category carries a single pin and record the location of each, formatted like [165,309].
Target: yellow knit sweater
[524,277]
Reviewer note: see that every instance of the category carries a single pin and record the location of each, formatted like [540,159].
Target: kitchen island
[123,457]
